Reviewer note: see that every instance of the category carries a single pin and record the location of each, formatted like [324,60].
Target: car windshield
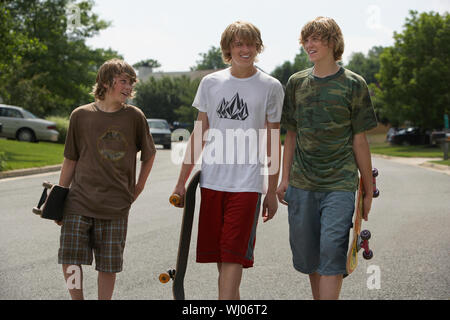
[28,115]
[158,124]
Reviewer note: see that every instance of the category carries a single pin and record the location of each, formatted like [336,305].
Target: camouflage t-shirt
[326,113]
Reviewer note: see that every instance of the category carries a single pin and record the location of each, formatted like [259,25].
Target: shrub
[62,125]
[2,161]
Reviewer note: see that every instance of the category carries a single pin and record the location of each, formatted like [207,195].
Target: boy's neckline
[255,72]
[96,106]
[329,77]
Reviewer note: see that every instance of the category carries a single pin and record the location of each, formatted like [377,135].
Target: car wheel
[26,135]
[168,146]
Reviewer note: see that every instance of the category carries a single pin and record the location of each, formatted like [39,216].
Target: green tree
[167,98]
[366,66]
[210,60]
[59,76]
[284,71]
[414,75]
[150,63]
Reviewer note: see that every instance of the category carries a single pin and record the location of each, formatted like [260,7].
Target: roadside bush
[62,125]
[2,161]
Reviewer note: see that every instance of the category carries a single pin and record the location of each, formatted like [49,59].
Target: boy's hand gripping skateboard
[177,275]
[51,203]
[360,238]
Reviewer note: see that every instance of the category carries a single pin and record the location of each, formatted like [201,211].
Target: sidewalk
[422,162]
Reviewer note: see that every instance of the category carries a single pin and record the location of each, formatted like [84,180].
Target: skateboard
[177,274]
[51,203]
[360,238]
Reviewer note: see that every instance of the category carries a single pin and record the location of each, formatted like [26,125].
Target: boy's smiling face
[121,89]
[243,54]
[317,49]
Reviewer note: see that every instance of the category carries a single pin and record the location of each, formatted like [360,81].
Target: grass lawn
[22,155]
[443,162]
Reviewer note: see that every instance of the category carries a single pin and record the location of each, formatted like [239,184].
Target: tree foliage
[366,65]
[52,70]
[168,98]
[284,71]
[210,60]
[414,74]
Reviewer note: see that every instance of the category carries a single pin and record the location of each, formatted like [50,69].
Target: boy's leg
[314,279]
[109,244]
[330,287]
[74,251]
[106,281]
[230,275]
[336,220]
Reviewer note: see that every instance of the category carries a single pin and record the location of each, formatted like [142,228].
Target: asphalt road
[410,224]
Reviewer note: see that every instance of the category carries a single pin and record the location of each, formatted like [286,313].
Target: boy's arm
[67,171]
[66,176]
[194,148]
[270,204]
[288,157]
[363,159]
[146,167]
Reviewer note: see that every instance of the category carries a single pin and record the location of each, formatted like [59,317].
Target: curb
[421,162]
[30,171]
[435,166]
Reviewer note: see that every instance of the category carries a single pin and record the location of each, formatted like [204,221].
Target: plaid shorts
[81,235]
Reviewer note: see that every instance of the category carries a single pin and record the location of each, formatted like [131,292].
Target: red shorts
[227,226]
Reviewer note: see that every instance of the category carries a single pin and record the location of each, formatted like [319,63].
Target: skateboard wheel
[175,200]
[375,172]
[376,193]
[365,235]
[164,278]
[368,255]
[47,185]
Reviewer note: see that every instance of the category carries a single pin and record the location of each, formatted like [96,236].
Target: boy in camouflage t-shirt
[326,111]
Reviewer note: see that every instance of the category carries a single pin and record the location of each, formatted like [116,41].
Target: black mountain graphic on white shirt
[236,109]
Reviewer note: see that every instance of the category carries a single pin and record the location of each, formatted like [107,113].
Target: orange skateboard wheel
[175,200]
[164,278]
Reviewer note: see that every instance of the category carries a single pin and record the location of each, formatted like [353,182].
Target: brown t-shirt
[105,147]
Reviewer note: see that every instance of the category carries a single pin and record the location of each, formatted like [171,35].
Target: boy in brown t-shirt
[102,142]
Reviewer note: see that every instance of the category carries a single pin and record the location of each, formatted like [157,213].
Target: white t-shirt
[235,151]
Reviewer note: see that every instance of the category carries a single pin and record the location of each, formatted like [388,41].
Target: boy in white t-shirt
[235,106]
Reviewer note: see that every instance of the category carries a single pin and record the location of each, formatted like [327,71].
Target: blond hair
[246,32]
[328,30]
[106,74]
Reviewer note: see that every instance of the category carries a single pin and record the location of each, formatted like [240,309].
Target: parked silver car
[159,128]
[20,124]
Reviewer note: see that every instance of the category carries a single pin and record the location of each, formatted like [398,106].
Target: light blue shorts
[319,225]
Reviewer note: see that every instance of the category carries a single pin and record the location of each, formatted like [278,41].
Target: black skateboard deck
[51,203]
[177,274]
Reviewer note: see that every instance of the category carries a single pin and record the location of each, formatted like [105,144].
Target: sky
[175,32]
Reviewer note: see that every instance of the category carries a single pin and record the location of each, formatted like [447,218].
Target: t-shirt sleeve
[71,147]
[363,114]
[144,140]
[275,103]
[200,100]
[288,119]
